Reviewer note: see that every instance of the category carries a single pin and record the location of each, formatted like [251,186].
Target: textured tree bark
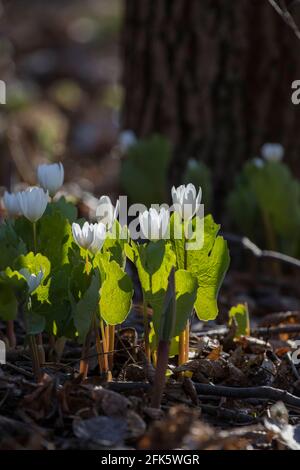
[215,77]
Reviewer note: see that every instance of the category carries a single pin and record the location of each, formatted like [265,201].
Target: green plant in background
[266,195]
[144,171]
[199,175]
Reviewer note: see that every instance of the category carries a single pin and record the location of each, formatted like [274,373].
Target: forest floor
[232,393]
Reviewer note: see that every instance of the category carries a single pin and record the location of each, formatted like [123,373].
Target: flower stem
[111,346]
[160,373]
[10,332]
[36,366]
[105,347]
[184,337]
[187,341]
[182,347]
[34,238]
[146,329]
[84,362]
[98,345]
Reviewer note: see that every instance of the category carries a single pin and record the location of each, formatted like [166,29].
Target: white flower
[33,280]
[126,140]
[106,213]
[90,236]
[51,177]
[99,238]
[186,201]
[272,152]
[154,224]
[33,202]
[11,204]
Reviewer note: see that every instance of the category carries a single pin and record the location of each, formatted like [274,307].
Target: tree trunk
[215,77]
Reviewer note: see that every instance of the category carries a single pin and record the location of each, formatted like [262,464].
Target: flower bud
[51,177]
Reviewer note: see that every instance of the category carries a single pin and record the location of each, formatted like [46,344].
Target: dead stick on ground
[266,393]
[260,331]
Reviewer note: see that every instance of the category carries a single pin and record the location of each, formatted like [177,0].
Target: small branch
[229,415]
[265,393]
[256,251]
[268,393]
[261,331]
[285,15]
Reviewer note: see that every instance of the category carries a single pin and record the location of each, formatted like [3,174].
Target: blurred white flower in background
[154,224]
[258,162]
[127,139]
[192,164]
[106,212]
[186,201]
[51,177]
[33,280]
[272,152]
[33,202]
[11,204]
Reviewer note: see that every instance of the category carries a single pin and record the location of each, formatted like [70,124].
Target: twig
[286,16]
[229,415]
[270,393]
[19,369]
[266,393]
[260,331]
[259,253]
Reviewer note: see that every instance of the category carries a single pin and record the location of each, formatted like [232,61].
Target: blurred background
[211,80]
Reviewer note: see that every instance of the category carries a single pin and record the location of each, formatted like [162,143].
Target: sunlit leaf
[115,295]
[240,315]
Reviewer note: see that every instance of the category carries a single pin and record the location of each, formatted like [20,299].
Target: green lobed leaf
[8,302]
[209,264]
[35,263]
[55,238]
[154,263]
[67,209]
[185,293]
[57,311]
[12,245]
[24,230]
[35,323]
[114,244]
[115,295]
